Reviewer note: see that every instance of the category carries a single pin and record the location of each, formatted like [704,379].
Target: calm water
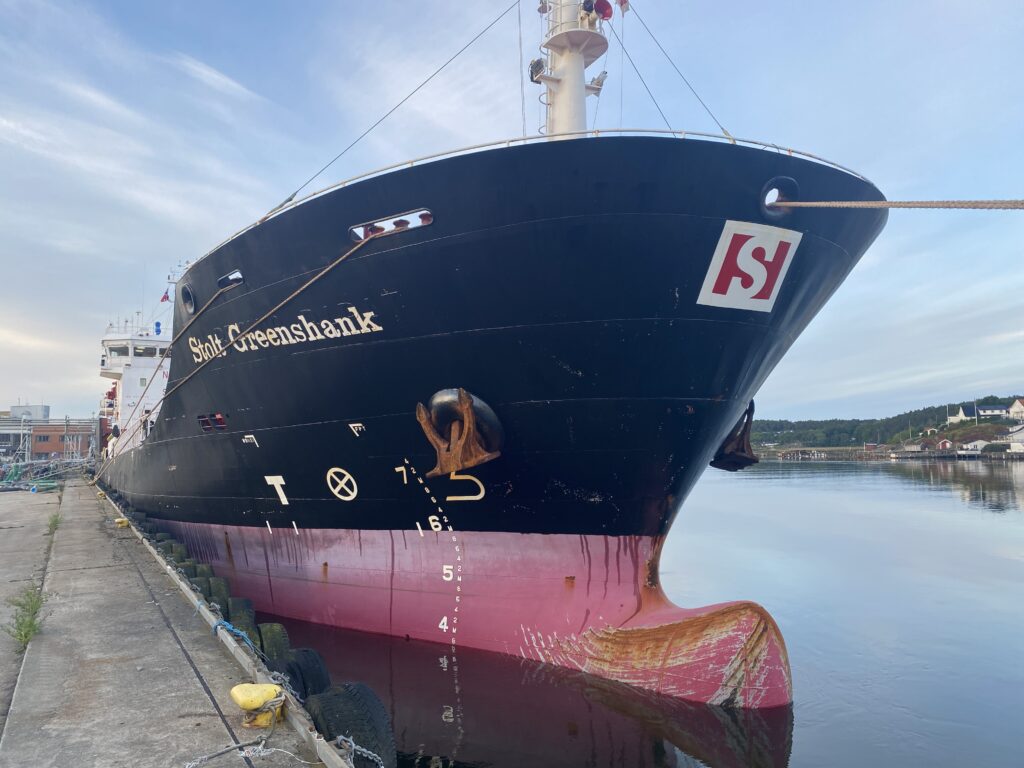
[899,589]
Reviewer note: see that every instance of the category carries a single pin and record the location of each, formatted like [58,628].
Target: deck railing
[595,133]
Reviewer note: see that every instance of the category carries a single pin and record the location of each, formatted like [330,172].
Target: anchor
[735,452]
[474,434]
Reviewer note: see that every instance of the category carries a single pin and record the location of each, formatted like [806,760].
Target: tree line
[827,433]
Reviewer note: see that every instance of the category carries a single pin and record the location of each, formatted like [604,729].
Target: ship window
[219,422]
[392,224]
[118,351]
[188,300]
[142,381]
[204,423]
[144,352]
[42,438]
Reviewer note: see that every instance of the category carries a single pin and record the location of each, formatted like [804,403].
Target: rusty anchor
[735,452]
[474,434]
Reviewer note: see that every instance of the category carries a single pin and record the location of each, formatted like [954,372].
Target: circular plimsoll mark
[342,484]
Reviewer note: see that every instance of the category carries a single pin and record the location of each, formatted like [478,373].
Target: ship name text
[301,332]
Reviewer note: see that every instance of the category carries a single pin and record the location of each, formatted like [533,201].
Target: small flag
[166,296]
[623,5]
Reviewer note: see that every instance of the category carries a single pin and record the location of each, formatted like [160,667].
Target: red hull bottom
[591,603]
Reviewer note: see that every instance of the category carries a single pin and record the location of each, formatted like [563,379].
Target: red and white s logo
[748,267]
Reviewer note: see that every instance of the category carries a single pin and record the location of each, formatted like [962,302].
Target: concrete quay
[123,672]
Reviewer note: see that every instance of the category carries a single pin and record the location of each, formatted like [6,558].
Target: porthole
[188,300]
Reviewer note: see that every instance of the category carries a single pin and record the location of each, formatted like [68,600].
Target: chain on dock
[344,743]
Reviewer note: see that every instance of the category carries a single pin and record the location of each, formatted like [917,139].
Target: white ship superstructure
[131,356]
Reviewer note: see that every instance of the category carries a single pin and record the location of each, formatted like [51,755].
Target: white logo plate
[748,266]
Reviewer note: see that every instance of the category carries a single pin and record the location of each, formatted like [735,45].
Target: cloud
[97,101]
[1003,338]
[474,99]
[18,341]
[210,77]
[131,141]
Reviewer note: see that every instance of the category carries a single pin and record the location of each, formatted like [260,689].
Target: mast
[573,41]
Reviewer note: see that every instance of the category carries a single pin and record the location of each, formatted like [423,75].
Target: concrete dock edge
[123,672]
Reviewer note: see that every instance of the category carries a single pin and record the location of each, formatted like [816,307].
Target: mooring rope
[679,72]
[125,438]
[153,376]
[985,205]
[388,114]
[642,81]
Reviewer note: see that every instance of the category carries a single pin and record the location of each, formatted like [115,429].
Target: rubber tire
[353,710]
[245,620]
[274,640]
[204,586]
[220,593]
[164,537]
[202,569]
[251,632]
[179,553]
[189,569]
[237,605]
[315,677]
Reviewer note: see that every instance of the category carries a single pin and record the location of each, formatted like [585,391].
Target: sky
[136,136]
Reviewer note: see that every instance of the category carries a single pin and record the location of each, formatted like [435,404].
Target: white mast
[573,42]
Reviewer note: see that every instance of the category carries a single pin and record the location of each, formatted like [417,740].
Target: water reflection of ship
[474,708]
[988,485]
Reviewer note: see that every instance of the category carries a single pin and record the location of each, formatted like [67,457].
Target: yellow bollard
[121,522]
[257,701]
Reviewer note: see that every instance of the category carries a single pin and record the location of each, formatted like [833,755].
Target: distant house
[993,411]
[931,431]
[1016,435]
[944,445]
[963,413]
[1016,409]
[975,445]
[914,447]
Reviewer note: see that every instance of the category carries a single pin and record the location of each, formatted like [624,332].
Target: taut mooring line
[986,205]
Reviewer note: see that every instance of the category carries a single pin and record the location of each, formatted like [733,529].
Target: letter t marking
[277,481]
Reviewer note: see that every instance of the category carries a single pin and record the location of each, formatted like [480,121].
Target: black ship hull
[578,287]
